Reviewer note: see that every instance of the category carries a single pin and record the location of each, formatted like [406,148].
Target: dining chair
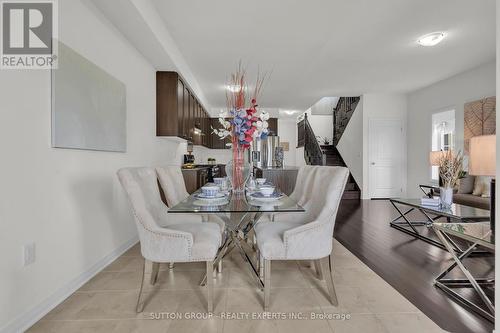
[163,239]
[311,240]
[300,194]
[173,186]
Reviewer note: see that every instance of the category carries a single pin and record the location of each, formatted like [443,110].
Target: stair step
[350,187]
[351,195]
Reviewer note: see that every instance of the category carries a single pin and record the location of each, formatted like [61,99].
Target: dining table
[240,213]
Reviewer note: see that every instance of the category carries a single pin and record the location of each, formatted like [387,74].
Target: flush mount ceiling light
[289,112]
[431,39]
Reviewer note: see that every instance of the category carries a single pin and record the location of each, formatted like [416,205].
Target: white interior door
[385,158]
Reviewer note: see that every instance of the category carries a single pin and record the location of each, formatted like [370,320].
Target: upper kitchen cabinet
[178,111]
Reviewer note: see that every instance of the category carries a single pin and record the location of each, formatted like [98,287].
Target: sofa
[473,191]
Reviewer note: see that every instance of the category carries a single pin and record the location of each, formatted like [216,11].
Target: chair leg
[319,271]
[327,266]
[267,283]
[210,286]
[154,273]
[261,265]
[139,307]
[219,266]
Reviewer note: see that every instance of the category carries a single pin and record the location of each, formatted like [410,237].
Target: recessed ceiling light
[431,39]
[233,88]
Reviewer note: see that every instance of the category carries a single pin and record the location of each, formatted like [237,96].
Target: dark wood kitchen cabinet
[214,141]
[178,111]
[195,178]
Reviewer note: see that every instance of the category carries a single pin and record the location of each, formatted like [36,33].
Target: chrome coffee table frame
[405,224]
[444,232]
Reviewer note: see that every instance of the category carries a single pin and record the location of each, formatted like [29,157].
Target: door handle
[373,163]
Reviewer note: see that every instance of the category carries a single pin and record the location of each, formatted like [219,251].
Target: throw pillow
[466,185]
[478,186]
[482,186]
[486,187]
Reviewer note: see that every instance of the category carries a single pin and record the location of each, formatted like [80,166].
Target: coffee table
[456,213]
[479,235]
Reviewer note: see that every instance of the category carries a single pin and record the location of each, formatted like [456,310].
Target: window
[443,135]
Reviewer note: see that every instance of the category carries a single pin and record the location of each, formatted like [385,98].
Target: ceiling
[312,49]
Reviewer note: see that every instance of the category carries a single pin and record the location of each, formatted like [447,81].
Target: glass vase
[446,196]
[238,169]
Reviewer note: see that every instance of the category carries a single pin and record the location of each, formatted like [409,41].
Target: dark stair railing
[342,113]
[316,154]
[313,153]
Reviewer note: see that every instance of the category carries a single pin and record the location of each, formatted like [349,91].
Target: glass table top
[479,232]
[232,203]
[456,211]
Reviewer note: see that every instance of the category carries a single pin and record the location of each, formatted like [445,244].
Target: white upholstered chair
[311,239]
[300,194]
[163,239]
[173,186]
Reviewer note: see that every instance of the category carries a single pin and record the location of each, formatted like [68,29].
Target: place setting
[213,194]
[261,192]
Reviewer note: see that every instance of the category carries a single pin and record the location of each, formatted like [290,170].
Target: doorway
[385,157]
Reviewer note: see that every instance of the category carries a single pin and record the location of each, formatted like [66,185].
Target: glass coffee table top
[456,211]
[232,203]
[479,232]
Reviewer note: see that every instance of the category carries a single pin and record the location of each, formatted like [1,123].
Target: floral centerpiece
[450,171]
[243,124]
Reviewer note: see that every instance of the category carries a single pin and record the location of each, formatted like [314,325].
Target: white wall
[350,145]
[324,106]
[451,93]
[382,106]
[201,154]
[287,129]
[322,125]
[68,201]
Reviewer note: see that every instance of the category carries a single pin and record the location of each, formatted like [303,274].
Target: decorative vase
[279,156]
[238,170]
[446,196]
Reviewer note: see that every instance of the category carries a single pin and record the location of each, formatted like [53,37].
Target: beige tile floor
[107,302]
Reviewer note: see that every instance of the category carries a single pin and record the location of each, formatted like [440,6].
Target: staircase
[342,113]
[316,154]
[333,158]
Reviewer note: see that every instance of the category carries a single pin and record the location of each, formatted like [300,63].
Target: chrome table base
[478,284]
[238,227]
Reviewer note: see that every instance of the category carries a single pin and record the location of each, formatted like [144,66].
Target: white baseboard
[30,317]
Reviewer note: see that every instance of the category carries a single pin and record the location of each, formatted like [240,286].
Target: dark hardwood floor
[409,265]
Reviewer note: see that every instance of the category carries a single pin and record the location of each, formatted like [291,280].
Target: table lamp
[482,162]
[435,157]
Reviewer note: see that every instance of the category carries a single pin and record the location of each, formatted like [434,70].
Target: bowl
[267,190]
[261,181]
[210,190]
[220,181]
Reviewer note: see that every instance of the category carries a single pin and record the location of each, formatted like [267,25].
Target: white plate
[207,197]
[211,203]
[273,197]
